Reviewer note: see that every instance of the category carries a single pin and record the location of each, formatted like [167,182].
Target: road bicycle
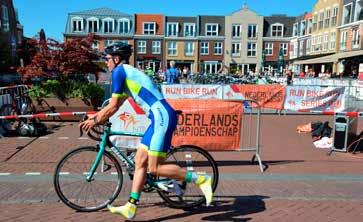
[90,178]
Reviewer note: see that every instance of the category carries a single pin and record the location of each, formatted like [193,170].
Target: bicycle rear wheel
[194,159]
[75,191]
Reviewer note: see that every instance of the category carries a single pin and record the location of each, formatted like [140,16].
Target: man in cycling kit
[129,81]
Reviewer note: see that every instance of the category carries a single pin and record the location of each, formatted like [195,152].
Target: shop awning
[329,58]
[343,55]
[323,59]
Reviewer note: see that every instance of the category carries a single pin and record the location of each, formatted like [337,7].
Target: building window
[277,30]
[310,26]
[269,49]
[326,41]
[204,48]
[319,45]
[303,28]
[295,29]
[315,22]
[236,49]
[211,29]
[189,48]
[236,31]
[321,20]
[218,46]
[95,45]
[308,46]
[347,13]
[332,40]
[189,29]
[77,24]
[172,50]
[156,47]
[327,18]
[301,47]
[252,31]
[283,46]
[141,47]
[124,26]
[108,25]
[335,16]
[172,29]
[356,38]
[108,42]
[149,28]
[312,44]
[93,25]
[251,49]
[343,40]
[5,18]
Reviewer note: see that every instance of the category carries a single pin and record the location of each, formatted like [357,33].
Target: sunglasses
[107,58]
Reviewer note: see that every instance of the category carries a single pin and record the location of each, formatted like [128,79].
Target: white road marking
[63,138]
[4,174]
[32,173]
[64,173]
[83,138]
[44,137]
[23,137]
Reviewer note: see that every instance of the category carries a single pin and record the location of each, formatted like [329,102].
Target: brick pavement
[302,183]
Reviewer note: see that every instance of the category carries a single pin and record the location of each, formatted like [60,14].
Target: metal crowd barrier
[5,93]
[251,130]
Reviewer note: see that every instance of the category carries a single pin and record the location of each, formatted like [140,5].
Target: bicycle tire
[73,201]
[180,202]
[8,125]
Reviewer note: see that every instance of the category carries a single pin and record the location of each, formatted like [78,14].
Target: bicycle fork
[96,162]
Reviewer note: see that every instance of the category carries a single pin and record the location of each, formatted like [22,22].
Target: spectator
[289,77]
[302,74]
[172,74]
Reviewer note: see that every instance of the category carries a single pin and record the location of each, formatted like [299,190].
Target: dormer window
[189,29]
[108,25]
[277,30]
[172,29]
[77,24]
[149,28]
[93,24]
[124,25]
[211,29]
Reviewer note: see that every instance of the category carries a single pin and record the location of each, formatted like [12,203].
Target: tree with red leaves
[59,60]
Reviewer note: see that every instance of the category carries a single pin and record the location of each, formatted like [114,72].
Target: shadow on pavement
[223,210]
[248,162]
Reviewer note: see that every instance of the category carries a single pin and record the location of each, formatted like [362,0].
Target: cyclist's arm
[110,109]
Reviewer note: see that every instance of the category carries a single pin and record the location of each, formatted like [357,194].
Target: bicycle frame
[105,142]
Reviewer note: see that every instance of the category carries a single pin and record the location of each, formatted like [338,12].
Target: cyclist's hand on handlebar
[87,125]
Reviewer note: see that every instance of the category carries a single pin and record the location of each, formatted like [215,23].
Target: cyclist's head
[118,53]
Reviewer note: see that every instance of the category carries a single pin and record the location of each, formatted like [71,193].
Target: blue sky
[52,14]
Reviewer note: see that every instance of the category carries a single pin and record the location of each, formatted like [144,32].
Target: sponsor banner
[230,92]
[189,91]
[210,124]
[131,120]
[316,98]
[267,96]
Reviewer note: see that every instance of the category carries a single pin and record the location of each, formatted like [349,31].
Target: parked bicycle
[90,178]
[22,104]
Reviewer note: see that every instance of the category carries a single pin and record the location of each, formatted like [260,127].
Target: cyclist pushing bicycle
[156,142]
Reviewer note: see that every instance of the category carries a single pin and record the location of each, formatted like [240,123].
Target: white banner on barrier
[232,93]
[305,98]
[126,119]
[189,91]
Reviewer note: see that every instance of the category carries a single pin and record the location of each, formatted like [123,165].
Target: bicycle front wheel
[75,191]
[193,159]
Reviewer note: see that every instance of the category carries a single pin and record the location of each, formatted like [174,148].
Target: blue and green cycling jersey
[127,80]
